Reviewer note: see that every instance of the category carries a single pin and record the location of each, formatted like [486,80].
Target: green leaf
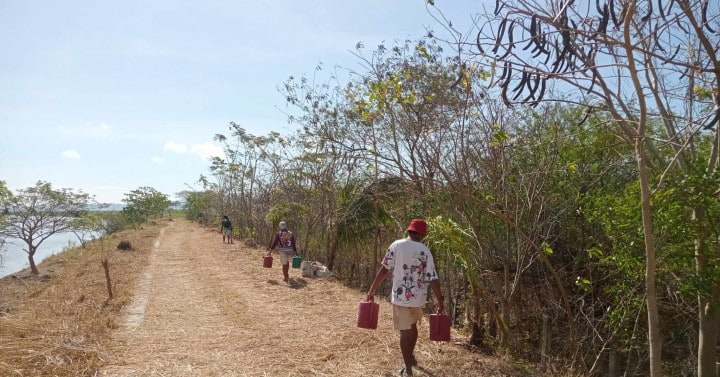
[703,93]
[423,51]
[546,248]
[499,137]
[594,252]
[583,283]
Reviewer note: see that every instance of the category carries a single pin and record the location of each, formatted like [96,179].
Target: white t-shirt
[413,268]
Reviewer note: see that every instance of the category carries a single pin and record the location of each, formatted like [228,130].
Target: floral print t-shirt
[413,269]
[286,240]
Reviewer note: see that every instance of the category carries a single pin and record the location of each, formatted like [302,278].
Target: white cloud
[207,150]
[157,160]
[71,154]
[175,147]
[105,127]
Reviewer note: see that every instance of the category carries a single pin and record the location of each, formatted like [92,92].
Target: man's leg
[286,274]
[408,339]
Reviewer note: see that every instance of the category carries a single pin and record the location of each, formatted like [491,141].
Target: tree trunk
[31,259]
[108,282]
[331,254]
[708,330]
[612,362]
[708,307]
[477,326]
[545,341]
[654,337]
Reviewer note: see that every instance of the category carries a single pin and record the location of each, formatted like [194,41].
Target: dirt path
[205,308]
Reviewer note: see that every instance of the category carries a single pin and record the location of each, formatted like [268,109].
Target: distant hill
[107,207]
[176,205]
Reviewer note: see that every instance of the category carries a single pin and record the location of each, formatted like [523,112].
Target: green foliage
[418,135]
[703,93]
[87,226]
[454,244]
[198,205]
[290,212]
[5,193]
[250,233]
[5,196]
[361,212]
[583,284]
[545,247]
[112,221]
[35,213]
[143,204]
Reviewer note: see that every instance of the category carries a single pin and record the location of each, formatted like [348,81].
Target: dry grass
[214,311]
[206,309]
[52,324]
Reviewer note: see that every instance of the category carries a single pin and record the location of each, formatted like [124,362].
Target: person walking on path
[226,229]
[286,242]
[413,269]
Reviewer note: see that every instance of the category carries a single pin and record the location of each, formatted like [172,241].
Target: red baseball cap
[418,226]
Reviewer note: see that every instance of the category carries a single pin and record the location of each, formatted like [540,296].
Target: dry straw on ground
[54,323]
[204,308]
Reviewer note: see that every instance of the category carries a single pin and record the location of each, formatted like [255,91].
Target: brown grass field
[55,324]
[185,304]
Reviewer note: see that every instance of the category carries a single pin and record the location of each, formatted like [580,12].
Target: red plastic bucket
[368,315]
[267,261]
[440,327]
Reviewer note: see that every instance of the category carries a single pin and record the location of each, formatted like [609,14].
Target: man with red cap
[413,269]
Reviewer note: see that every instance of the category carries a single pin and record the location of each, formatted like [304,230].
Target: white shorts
[405,316]
[285,258]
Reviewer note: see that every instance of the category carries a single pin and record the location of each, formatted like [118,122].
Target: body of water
[14,259]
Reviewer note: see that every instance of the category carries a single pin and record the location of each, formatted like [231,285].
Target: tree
[640,62]
[36,213]
[86,227]
[238,173]
[198,204]
[5,194]
[143,204]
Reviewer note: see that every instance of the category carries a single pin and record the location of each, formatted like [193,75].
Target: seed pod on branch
[677,49]
[657,39]
[478,43]
[704,16]
[501,32]
[519,87]
[612,13]
[647,16]
[602,26]
[533,86]
[709,125]
[662,11]
[499,5]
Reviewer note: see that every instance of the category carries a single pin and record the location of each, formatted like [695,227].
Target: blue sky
[109,96]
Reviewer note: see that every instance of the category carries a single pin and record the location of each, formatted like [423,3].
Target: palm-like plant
[457,248]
